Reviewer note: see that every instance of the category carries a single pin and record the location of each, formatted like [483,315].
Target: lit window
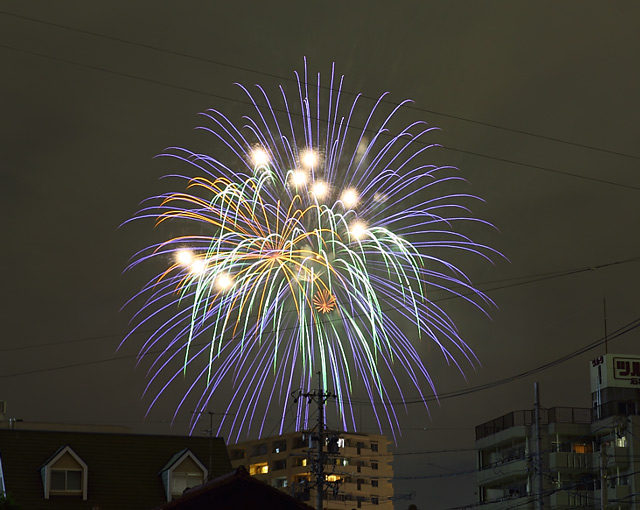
[581,448]
[260,468]
[333,478]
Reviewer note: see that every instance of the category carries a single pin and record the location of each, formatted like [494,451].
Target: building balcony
[616,457]
[524,419]
[522,503]
[348,451]
[574,499]
[499,474]
[562,461]
[619,495]
[508,435]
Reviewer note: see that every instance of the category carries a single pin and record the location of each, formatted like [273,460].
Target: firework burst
[310,248]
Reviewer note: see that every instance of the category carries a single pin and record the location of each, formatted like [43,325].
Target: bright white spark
[320,189]
[259,157]
[358,229]
[298,178]
[350,198]
[198,266]
[184,257]
[224,281]
[309,158]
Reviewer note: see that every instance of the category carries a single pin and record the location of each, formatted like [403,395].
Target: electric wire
[238,101]
[284,78]
[539,277]
[443,396]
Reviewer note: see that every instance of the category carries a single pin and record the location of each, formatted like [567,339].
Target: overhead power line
[619,332]
[539,277]
[285,78]
[248,103]
[474,389]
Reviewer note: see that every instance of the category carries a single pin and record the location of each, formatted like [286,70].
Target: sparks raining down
[312,245]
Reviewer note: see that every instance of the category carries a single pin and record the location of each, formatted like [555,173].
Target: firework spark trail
[303,257]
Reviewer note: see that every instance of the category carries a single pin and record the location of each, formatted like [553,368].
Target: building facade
[358,472]
[53,469]
[590,456]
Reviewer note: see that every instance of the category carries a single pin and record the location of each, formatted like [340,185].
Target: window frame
[49,466]
[171,466]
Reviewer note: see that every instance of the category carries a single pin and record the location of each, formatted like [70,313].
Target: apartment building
[358,471]
[590,456]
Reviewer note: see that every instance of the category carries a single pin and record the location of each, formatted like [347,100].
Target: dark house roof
[237,490]
[124,470]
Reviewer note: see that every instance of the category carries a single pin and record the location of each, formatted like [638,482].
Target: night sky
[83,117]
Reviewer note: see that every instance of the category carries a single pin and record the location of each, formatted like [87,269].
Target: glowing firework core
[350,198]
[198,266]
[309,158]
[224,282]
[298,178]
[260,157]
[324,301]
[184,257]
[320,189]
[358,229]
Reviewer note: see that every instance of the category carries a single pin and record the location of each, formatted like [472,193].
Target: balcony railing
[526,418]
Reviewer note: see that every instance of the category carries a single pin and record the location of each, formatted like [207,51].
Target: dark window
[374,482]
[280,464]
[259,449]
[236,454]
[374,447]
[374,465]
[374,501]
[299,442]
[66,480]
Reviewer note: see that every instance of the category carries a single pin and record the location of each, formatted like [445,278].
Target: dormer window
[65,474]
[66,481]
[183,471]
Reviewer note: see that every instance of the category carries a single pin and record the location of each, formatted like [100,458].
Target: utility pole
[320,396]
[604,494]
[538,464]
